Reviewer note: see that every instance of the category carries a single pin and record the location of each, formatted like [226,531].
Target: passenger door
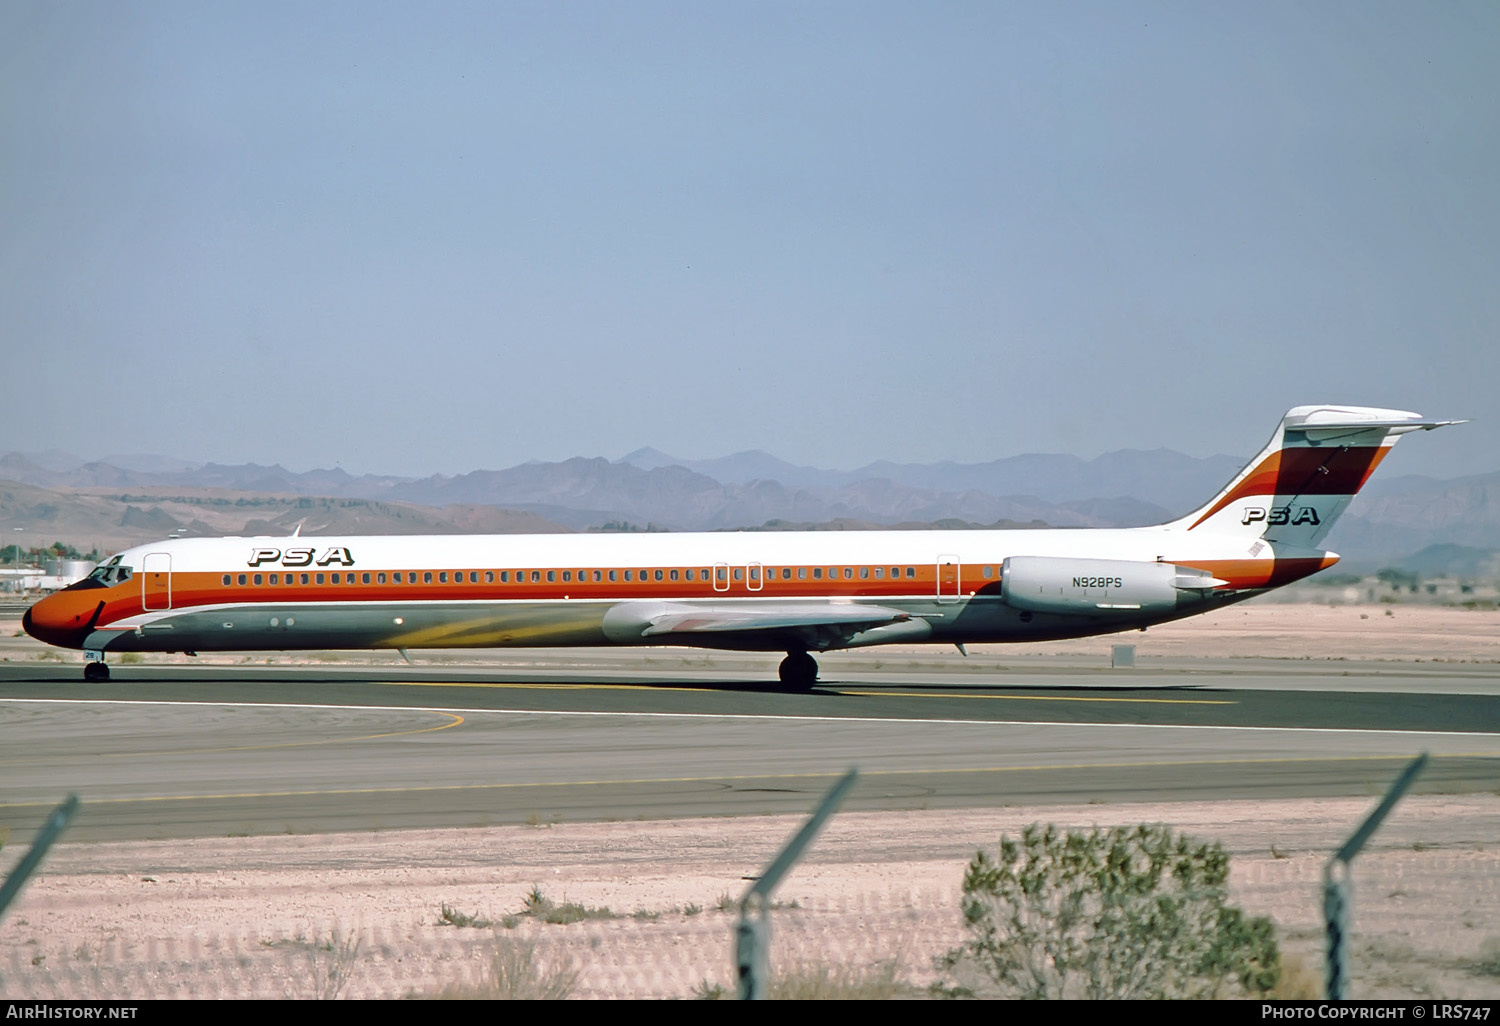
[949,578]
[156,581]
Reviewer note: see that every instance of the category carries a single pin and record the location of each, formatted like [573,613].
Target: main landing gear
[96,672]
[798,670]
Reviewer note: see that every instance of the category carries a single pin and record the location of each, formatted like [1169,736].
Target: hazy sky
[411,237]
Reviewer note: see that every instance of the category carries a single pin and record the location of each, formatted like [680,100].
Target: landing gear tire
[798,670]
[96,673]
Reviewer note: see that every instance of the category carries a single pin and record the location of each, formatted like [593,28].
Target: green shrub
[448,915]
[1120,913]
[538,906]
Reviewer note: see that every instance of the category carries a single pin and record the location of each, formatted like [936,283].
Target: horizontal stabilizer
[1323,419]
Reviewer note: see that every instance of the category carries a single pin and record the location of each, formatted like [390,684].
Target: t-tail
[1293,491]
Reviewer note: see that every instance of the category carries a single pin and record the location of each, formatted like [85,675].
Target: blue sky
[412,238]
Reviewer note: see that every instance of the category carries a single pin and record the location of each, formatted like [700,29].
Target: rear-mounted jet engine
[1051,584]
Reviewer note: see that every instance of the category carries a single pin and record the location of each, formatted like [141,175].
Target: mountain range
[649,489]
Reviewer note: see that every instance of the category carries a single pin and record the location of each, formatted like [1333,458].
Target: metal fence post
[56,823]
[1338,891]
[752,934]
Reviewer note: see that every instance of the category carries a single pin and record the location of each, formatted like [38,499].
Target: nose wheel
[96,672]
[798,670]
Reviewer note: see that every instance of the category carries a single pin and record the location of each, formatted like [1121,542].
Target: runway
[185,751]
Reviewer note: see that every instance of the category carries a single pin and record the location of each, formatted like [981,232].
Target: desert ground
[393,914]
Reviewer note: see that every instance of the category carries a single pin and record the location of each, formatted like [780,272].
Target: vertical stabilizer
[1299,484]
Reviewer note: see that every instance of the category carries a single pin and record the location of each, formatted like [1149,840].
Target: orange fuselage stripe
[191,590]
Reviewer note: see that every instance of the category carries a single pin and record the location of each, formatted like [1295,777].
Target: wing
[764,627]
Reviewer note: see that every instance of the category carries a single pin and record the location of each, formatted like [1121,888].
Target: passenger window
[879,573]
[657,575]
[786,573]
[989,572]
[598,575]
[739,574]
[567,575]
[817,573]
[895,572]
[380,578]
[489,577]
[864,572]
[802,573]
[318,578]
[911,571]
[690,574]
[259,579]
[672,574]
[442,577]
[227,579]
[612,575]
[504,576]
[536,575]
[551,576]
[303,578]
[241,579]
[364,578]
[426,576]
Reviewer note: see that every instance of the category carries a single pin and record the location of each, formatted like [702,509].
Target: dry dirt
[278,916]
[257,916]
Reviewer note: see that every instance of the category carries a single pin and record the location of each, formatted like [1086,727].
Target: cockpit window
[111,573]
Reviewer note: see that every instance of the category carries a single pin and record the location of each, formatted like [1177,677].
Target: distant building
[52,575]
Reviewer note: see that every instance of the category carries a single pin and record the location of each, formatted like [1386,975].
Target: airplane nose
[64,620]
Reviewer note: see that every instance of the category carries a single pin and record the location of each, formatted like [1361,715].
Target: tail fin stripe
[1339,472]
[1294,472]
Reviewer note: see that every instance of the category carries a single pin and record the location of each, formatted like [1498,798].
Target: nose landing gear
[798,670]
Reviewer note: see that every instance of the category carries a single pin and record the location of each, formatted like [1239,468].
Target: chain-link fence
[648,910]
[679,953]
[1426,925]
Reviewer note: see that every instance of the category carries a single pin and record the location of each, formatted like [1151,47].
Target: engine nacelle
[1100,587]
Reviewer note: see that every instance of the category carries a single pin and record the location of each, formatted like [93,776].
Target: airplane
[796,592]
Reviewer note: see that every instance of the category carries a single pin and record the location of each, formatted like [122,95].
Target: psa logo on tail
[1280,516]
